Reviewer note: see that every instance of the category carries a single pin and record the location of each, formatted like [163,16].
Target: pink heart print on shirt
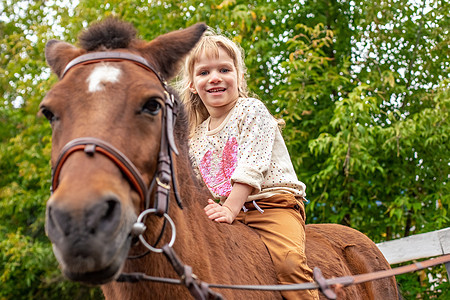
[216,171]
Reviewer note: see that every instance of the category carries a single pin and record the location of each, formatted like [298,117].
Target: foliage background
[362,85]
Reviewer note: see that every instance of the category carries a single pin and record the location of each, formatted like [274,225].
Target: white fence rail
[418,246]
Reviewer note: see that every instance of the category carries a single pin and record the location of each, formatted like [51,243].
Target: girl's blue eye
[225,70]
[204,73]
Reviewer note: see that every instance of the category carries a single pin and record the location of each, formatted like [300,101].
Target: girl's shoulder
[251,104]
[248,109]
[254,107]
[250,101]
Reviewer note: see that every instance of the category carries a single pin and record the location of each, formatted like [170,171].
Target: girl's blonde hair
[209,45]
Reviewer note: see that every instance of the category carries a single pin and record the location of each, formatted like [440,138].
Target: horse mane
[182,121]
[111,33]
[181,135]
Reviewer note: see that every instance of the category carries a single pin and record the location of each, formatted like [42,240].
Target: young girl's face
[216,82]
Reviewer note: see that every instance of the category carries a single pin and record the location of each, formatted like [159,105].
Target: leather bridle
[164,176]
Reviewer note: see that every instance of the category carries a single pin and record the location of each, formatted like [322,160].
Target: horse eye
[152,106]
[48,114]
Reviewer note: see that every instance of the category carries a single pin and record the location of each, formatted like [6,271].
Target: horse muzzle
[90,243]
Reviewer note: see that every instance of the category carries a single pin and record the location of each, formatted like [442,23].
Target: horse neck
[195,232]
[192,225]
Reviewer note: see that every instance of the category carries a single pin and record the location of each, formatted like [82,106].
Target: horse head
[111,114]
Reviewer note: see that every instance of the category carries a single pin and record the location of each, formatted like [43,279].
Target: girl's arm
[227,212]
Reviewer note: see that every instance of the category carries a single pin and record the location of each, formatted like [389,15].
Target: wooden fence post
[417,246]
[444,238]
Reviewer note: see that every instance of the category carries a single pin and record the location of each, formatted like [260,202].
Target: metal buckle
[162,184]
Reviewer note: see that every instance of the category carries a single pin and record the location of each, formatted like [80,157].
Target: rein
[324,285]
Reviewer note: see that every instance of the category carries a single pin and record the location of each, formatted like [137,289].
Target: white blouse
[247,147]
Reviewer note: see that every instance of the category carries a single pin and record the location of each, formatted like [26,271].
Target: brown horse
[113,108]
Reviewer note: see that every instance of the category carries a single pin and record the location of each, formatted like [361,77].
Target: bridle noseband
[164,176]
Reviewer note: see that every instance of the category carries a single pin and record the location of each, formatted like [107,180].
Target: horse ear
[58,54]
[169,49]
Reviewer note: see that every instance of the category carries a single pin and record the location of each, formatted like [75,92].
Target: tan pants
[282,229]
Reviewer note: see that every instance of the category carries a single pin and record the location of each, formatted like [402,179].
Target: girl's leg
[283,232]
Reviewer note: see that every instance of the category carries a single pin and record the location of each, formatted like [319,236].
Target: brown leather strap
[320,282]
[325,284]
[164,174]
[401,270]
[92,145]
[112,56]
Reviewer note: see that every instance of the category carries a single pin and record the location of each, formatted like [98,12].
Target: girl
[237,149]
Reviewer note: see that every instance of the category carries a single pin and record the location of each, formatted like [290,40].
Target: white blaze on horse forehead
[101,74]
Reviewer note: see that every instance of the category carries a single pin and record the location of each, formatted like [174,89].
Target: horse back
[342,251]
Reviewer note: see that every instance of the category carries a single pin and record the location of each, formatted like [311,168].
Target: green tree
[363,88]
[373,123]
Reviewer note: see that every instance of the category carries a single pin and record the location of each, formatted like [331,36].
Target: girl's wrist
[233,213]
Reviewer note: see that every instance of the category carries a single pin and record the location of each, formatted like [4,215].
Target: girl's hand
[227,212]
[219,213]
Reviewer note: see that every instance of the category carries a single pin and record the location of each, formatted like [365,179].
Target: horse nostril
[59,220]
[103,217]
